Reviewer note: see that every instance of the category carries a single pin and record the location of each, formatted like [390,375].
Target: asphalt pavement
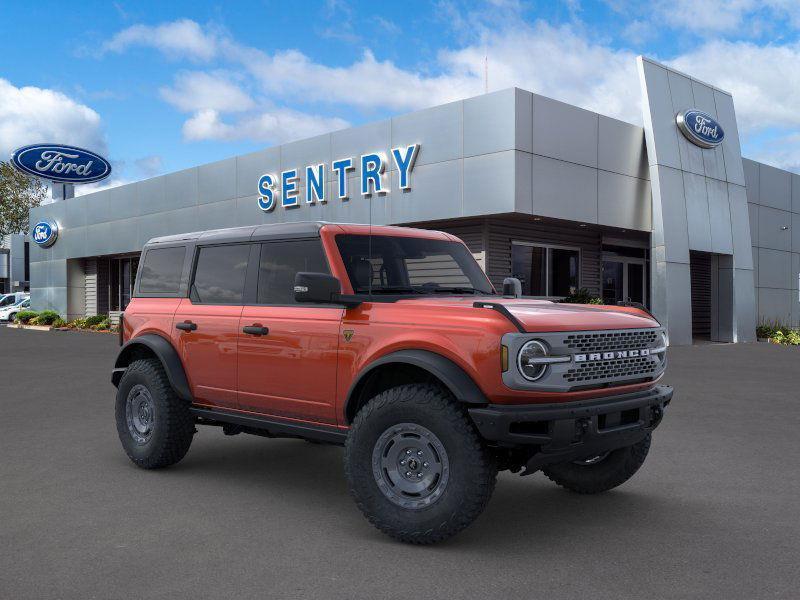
[714,512]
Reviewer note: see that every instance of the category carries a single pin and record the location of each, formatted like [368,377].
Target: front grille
[614,369]
[614,340]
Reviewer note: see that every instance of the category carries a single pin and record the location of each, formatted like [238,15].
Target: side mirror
[512,287]
[319,288]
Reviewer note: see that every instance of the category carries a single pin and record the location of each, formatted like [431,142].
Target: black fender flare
[165,352]
[460,384]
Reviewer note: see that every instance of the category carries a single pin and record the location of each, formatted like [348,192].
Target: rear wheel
[600,473]
[415,465]
[153,424]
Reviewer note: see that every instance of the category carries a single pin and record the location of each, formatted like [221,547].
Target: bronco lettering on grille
[611,355]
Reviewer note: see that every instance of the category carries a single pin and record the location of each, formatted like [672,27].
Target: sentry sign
[284,189]
[64,164]
[700,128]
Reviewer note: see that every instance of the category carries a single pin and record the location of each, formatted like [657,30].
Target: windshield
[408,265]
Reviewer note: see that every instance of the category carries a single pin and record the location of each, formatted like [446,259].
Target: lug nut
[408,473]
[408,451]
[419,475]
[425,465]
[402,462]
[419,452]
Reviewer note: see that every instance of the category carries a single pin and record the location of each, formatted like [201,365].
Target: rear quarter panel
[149,315]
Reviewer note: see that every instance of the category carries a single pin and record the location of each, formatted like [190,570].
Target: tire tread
[176,419]
[483,471]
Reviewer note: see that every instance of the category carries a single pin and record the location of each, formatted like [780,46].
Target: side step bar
[270,426]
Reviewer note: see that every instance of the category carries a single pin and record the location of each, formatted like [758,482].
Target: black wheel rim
[410,466]
[139,413]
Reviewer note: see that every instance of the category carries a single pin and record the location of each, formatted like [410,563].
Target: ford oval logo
[65,164]
[700,128]
[44,233]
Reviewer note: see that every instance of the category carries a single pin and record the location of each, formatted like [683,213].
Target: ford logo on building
[44,233]
[65,164]
[700,128]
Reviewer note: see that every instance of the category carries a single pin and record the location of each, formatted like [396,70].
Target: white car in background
[7,300]
[7,313]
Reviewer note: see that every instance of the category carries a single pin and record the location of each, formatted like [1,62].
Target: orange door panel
[207,346]
[290,370]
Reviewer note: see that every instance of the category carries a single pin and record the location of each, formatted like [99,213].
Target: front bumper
[575,430]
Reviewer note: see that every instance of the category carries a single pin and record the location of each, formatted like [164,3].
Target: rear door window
[219,275]
[161,271]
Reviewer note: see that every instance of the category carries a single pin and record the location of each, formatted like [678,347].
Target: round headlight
[526,360]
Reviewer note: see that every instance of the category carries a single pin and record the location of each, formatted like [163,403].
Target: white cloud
[112,182]
[278,125]
[783,152]
[30,114]
[764,80]
[198,90]
[587,74]
[562,62]
[181,38]
[558,63]
[150,166]
[740,17]
[710,16]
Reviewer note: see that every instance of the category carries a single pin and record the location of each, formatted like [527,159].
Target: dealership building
[560,197]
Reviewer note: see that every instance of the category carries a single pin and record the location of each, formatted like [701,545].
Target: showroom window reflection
[122,279]
[546,270]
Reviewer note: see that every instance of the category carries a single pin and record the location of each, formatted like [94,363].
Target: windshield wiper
[455,290]
[397,289]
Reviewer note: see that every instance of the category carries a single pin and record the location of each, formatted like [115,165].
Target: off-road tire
[614,470]
[471,475]
[172,424]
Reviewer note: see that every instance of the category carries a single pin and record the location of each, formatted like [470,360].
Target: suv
[393,343]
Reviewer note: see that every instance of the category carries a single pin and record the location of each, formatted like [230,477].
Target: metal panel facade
[698,203]
[486,166]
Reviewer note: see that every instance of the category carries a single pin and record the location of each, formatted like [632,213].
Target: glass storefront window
[122,279]
[546,270]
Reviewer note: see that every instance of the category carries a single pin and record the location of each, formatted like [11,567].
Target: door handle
[186,326]
[255,329]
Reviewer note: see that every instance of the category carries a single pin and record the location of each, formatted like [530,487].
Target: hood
[543,315]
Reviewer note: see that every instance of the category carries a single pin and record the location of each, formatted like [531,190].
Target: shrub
[102,325]
[24,316]
[59,322]
[90,322]
[46,317]
[779,333]
[582,296]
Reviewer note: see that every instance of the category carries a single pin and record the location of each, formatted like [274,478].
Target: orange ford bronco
[393,343]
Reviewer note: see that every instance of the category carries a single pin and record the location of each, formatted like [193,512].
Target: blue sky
[160,86]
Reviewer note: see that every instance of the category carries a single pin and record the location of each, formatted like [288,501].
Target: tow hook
[581,427]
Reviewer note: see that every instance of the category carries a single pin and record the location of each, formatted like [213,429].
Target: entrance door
[288,351]
[613,282]
[206,325]
[624,280]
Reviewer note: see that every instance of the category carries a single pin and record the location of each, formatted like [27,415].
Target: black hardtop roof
[245,234]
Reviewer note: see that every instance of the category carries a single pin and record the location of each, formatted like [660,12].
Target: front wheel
[416,466]
[600,473]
